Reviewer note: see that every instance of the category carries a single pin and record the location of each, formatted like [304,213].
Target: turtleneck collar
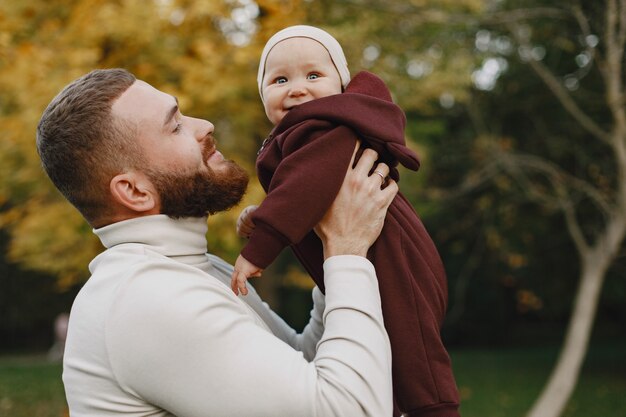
[183,239]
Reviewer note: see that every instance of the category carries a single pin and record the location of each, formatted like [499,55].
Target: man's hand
[243,270]
[356,217]
[245,226]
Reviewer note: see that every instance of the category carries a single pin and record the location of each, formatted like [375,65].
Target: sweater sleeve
[307,340]
[191,348]
[315,157]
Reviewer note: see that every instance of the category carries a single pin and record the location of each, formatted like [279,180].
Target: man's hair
[82,146]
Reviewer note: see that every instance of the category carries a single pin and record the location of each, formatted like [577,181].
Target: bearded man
[156,330]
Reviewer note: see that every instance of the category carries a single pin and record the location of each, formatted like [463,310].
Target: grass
[499,383]
[492,383]
[505,383]
[30,386]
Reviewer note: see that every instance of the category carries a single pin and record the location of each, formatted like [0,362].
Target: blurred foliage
[510,261]
[419,47]
[509,256]
[204,52]
[187,48]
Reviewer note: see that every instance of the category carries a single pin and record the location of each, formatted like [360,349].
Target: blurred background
[516,108]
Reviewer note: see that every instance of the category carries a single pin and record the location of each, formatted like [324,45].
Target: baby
[319,115]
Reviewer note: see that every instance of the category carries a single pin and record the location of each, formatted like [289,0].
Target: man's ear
[134,191]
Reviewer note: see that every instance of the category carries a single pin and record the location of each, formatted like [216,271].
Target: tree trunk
[564,376]
[595,261]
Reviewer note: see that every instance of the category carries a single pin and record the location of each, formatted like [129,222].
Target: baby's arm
[315,157]
[243,270]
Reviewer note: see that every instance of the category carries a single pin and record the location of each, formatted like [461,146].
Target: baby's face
[297,70]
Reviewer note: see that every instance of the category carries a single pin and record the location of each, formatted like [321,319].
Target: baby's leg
[414,295]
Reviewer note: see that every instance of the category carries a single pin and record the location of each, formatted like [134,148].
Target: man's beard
[198,194]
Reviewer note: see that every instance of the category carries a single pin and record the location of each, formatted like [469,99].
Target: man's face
[190,175]
[297,70]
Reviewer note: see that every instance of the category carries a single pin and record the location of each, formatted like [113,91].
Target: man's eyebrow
[171,113]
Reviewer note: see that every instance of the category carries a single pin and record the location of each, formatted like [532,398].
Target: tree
[561,151]
[571,158]
[204,52]
[597,248]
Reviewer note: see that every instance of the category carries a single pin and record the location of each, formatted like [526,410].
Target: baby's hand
[245,226]
[243,271]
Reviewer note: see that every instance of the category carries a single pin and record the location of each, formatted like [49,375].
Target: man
[156,329]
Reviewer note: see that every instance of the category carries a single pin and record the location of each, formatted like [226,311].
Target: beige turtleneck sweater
[157,331]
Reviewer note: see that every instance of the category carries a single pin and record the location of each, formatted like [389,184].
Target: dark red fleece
[301,166]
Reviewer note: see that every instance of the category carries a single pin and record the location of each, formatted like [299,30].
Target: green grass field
[31,387]
[504,383]
[492,383]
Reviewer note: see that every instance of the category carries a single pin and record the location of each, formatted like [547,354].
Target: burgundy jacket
[301,166]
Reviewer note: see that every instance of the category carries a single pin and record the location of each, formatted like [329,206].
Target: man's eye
[313,76]
[280,80]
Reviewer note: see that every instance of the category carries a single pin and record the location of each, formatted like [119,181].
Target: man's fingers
[389,192]
[381,172]
[366,162]
[382,168]
[354,153]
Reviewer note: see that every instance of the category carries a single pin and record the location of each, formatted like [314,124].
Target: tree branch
[565,205]
[470,183]
[574,229]
[583,23]
[615,43]
[560,180]
[517,166]
[560,92]
[622,23]
[613,72]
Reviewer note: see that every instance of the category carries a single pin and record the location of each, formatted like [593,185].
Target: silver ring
[382,176]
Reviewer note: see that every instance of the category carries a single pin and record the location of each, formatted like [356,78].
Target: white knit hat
[319,35]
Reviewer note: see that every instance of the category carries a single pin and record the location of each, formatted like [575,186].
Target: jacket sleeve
[315,157]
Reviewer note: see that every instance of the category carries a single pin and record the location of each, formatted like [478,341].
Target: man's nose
[204,128]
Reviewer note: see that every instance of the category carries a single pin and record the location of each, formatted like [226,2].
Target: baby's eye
[280,80]
[313,76]
[178,127]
